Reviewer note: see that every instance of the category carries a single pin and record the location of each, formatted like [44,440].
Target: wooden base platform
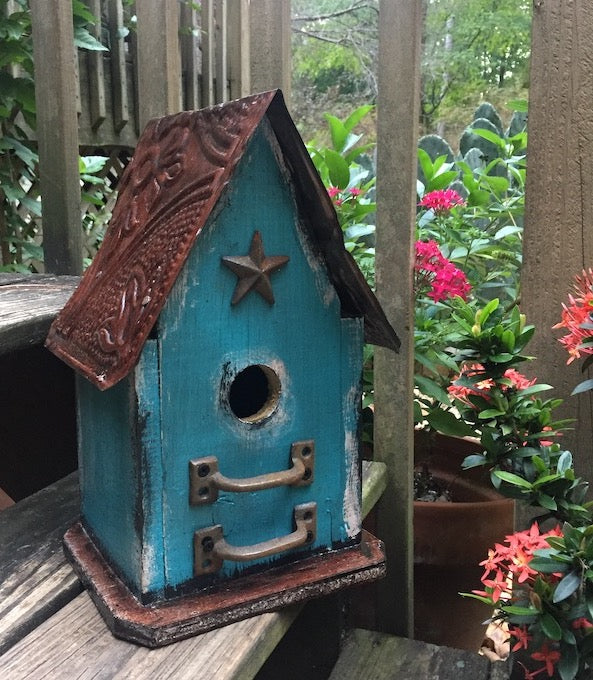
[160,624]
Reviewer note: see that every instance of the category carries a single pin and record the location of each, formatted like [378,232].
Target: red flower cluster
[482,387]
[575,314]
[437,273]
[507,573]
[441,201]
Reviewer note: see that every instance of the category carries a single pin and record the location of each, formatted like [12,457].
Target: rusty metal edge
[162,624]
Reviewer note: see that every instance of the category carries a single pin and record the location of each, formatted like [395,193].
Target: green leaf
[564,462]
[339,172]
[447,423]
[567,586]
[513,479]
[490,136]
[490,413]
[426,164]
[568,665]
[475,460]
[431,389]
[84,40]
[338,132]
[583,387]
[356,116]
[546,502]
[507,231]
[550,626]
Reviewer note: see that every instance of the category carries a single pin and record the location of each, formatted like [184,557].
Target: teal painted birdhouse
[218,338]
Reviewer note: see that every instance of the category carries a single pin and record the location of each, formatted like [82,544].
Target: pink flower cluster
[437,273]
[507,575]
[575,314]
[441,201]
[340,196]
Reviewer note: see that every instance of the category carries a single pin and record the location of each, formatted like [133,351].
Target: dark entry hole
[254,393]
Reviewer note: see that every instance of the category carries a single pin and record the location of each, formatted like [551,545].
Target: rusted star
[254,270]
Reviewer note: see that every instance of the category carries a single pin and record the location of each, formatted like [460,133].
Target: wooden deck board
[35,580]
[28,305]
[75,643]
[369,655]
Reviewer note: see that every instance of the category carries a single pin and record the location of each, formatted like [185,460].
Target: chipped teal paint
[300,337]
[121,471]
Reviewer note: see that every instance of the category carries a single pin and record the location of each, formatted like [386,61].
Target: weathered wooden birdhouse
[218,337]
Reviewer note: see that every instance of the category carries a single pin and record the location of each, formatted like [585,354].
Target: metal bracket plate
[211,549]
[205,479]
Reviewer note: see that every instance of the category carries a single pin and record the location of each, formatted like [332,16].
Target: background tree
[473,49]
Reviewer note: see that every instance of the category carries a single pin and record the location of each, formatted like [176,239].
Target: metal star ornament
[253,270]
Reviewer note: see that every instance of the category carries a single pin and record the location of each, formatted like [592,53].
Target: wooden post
[270,46]
[398,109]
[159,62]
[558,239]
[239,48]
[57,134]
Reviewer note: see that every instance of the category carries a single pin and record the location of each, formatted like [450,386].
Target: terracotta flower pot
[450,539]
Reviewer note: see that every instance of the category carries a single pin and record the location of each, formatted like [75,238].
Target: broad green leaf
[426,165]
[513,479]
[568,665]
[489,413]
[490,136]
[447,423]
[564,462]
[475,460]
[546,502]
[567,586]
[356,116]
[550,626]
[84,40]
[339,172]
[338,132]
[507,231]
[431,389]
[441,181]
[583,387]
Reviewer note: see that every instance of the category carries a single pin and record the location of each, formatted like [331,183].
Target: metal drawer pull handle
[205,480]
[210,548]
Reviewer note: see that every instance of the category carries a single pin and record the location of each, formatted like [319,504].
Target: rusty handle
[206,480]
[211,549]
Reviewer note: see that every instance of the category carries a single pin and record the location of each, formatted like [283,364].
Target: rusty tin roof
[179,170]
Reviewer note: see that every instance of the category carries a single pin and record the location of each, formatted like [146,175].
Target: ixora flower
[577,319]
[436,276]
[441,201]
[539,583]
[511,379]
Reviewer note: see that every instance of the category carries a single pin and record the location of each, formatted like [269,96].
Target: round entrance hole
[254,393]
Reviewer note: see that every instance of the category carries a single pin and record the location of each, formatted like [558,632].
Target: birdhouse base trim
[162,623]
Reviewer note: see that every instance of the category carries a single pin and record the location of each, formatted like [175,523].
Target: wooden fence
[164,56]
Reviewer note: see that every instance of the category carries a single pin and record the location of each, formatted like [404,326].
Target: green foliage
[472,47]
[20,244]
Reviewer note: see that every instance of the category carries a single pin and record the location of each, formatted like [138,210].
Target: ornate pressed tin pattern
[167,192]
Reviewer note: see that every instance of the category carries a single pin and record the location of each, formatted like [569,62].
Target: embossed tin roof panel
[179,169]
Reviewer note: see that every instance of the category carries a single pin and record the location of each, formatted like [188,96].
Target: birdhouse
[217,338]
